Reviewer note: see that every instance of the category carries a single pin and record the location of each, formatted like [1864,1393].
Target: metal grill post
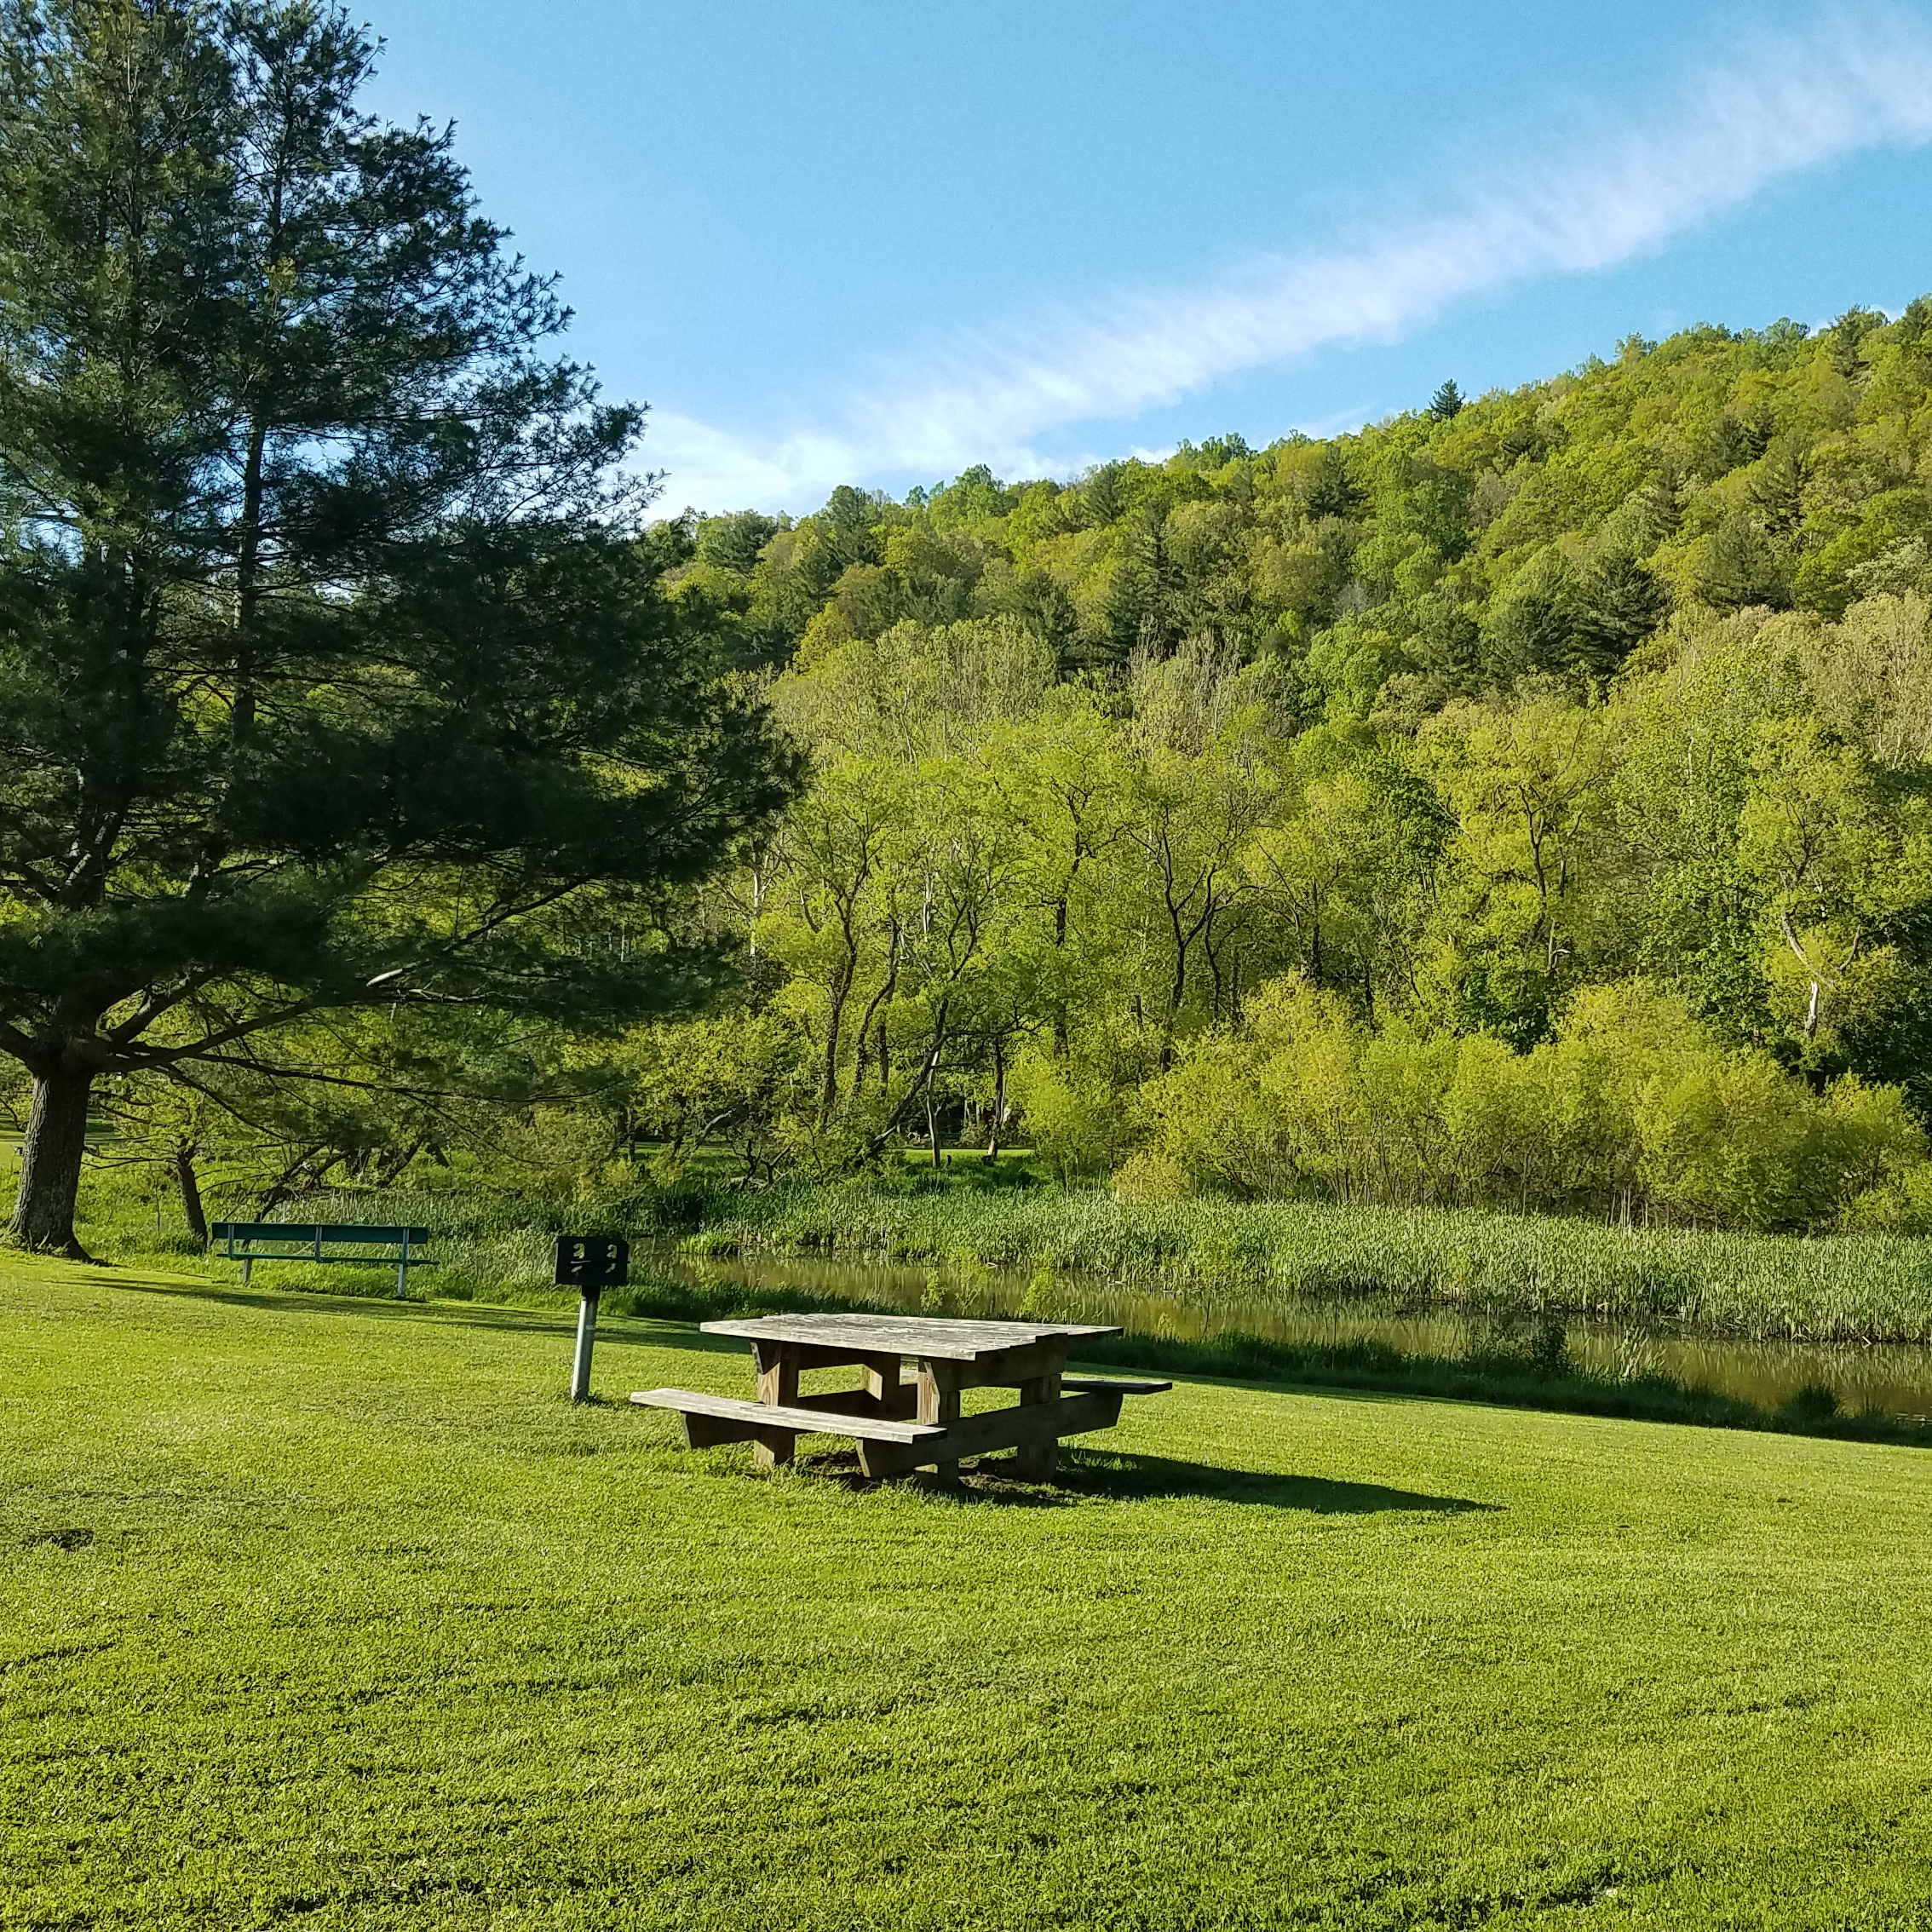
[586,1334]
[590,1264]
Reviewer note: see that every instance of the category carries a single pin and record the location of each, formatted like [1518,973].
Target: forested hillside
[1523,800]
[1524,803]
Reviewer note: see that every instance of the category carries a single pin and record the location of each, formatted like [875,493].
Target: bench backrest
[309,1234]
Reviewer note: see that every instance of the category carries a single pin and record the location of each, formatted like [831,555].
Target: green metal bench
[250,1241]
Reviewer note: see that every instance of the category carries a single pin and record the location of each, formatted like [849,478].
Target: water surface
[1892,1378]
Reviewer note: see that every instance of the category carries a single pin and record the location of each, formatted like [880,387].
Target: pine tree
[1446,402]
[333,673]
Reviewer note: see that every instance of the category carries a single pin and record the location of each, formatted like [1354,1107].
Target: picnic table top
[935,1336]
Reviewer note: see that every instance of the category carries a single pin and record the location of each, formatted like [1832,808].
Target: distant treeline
[1621,681]
[1523,802]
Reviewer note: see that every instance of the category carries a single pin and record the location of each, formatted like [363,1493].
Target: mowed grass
[321,1612]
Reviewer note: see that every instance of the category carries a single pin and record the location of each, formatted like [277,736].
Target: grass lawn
[322,1612]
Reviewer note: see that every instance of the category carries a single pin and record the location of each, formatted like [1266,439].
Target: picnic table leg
[778,1382]
[884,1383]
[1036,1462]
[939,1402]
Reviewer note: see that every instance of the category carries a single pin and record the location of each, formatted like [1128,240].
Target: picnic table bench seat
[891,1443]
[710,1420]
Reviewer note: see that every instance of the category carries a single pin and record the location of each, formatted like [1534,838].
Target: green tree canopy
[334,672]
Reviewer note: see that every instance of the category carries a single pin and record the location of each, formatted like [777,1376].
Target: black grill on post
[590,1264]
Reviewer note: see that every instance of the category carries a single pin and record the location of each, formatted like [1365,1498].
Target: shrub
[1079,1121]
[1901,1206]
[1152,1176]
[1632,1108]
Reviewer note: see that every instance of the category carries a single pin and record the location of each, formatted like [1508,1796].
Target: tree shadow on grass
[621,1331]
[1092,1476]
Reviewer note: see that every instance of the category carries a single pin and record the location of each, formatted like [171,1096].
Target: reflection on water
[1894,1378]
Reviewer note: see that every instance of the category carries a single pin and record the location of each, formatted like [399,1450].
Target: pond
[1895,1380]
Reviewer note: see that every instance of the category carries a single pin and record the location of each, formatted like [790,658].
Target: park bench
[250,1241]
[903,1422]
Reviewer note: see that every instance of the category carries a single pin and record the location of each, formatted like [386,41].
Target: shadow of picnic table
[1115,1476]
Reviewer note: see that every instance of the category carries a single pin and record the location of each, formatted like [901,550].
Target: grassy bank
[492,1255]
[1863,1288]
[323,1613]
[493,1244]
[1521,1275]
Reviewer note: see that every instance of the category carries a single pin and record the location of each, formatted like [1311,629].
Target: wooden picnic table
[901,1421]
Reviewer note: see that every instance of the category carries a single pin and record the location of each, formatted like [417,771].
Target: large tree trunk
[50,1165]
[191,1192]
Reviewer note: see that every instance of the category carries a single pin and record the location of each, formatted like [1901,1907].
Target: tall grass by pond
[1843,1288]
[1847,1288]
[1851,1288]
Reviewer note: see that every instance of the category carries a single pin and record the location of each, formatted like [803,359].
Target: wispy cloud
[1790,105]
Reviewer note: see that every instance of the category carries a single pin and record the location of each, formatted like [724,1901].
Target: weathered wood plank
[893,1446]
[1012,1428]
[1012,1368]
[1033,1426]
[778,1388]
[880,1459]
[748,1418]
[1099,1384]
[939,1402]
[926,1336]
[712,1432]
[809,1356]
[1038,1460]
[895,1393]
[863,1402]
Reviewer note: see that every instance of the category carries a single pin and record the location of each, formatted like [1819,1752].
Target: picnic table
[906,1414]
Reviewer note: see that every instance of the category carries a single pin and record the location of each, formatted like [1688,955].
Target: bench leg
[877,1459]
[939,1402]
[1036,1462]
[778,1382]
[710,1432]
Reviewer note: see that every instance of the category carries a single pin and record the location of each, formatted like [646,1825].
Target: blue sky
[877,241]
